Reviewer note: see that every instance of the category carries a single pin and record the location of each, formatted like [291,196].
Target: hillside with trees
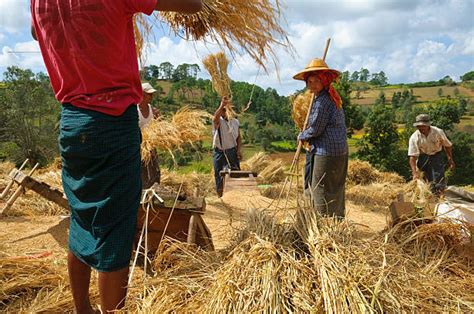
[379,116]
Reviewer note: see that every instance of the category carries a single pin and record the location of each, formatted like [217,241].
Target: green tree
[381,100]
[463,155]
[468,76]
[444,113]
[355,76]
[379,145]
[364,75]
[166,69]
[31,113]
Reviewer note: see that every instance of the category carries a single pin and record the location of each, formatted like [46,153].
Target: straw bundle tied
[300,109]
[241,26]
[186,126]
[216,65]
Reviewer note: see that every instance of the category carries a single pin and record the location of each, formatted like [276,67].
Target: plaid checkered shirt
[326,130]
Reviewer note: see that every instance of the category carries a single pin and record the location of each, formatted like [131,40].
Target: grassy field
[423,94]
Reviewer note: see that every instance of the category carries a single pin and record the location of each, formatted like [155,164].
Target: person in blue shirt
[326,136]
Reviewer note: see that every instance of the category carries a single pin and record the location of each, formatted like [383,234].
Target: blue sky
[410,40]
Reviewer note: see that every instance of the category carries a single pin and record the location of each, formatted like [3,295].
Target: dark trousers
[327,185]
[433,166]
[220,163]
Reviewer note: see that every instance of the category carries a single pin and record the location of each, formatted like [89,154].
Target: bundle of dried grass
[300,109]
[216,65]
[273,173]
[198,184]
[190,124]
[363,173]
[274,192]
[186,126]
[23,278]
[256,163]
[249,26]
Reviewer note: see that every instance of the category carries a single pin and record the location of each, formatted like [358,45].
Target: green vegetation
[29,116]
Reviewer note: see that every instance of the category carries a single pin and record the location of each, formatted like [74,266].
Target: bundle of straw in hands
[186,126]
[241,26]
[300,109]
[216,65]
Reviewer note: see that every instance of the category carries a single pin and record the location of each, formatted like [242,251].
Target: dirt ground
[21,236]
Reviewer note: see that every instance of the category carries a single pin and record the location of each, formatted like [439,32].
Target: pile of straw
[308,264]
[216,65]
[197,184]
[186,126]
[300,108]
[248,26]
[312,265]
[362,173]
[269,171]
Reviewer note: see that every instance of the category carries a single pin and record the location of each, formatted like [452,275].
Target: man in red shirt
[89,51]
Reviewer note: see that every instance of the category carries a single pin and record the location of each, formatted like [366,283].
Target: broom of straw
[300,144]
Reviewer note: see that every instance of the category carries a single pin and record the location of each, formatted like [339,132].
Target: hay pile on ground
[269,171]
[308,264]
[361,172]
[186,126]
[313,265]
[242,26]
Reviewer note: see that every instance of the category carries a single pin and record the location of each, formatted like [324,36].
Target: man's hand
[451,164]
[181,6]
[225,102]
[415,175]
[239,155]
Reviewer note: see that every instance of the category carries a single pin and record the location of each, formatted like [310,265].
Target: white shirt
[142,121]
[430,145]
[229,132]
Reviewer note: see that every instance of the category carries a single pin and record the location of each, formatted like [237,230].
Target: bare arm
[33,33]
[181,6]
[414,172]
[449,153]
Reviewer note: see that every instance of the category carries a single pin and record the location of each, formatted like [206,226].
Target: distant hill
[422,94]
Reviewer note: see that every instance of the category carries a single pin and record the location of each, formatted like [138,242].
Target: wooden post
[17,193]
[192,229]
[10,184]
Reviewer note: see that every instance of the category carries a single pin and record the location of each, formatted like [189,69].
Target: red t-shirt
[88,47]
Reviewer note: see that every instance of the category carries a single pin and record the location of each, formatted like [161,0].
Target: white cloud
[24,54]
[410,40]
[14,16]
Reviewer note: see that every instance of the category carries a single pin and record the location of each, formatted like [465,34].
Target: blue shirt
[326,130]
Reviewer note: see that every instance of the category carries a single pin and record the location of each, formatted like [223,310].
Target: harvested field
[268,259]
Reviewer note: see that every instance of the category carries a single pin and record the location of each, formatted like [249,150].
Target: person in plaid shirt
[326,135]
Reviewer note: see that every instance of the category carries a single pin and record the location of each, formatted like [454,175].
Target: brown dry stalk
[251,26]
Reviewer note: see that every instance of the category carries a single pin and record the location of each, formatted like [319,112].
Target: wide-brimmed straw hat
[422,119]
[315,65]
